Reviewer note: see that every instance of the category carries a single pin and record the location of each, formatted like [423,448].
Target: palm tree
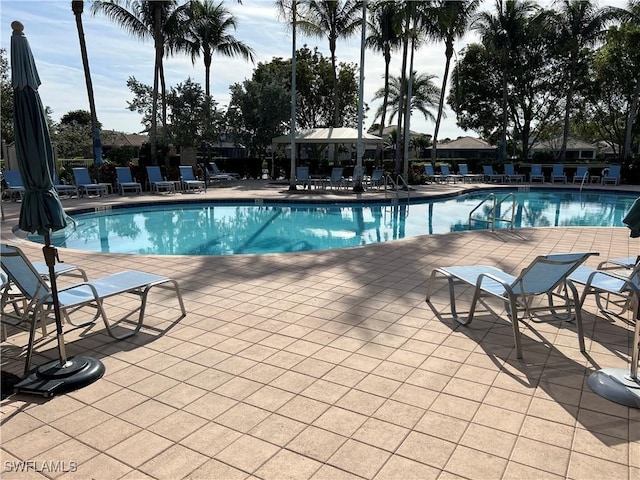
[207,33]
[449,22]
[424,98]
[504,33]
[630,16]
[77,7]
[159,20]
[580,24]
[384,38]
[333,19]
[289,12]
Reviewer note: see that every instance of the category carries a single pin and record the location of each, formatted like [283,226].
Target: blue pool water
[230,229]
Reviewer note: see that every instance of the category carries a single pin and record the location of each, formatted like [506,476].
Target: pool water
[232,229]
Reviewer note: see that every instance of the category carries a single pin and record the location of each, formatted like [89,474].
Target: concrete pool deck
[328,365]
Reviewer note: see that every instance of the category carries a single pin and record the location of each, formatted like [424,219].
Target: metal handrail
[584,179]
[388,180]
[493,209]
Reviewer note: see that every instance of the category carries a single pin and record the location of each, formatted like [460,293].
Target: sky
[114,56]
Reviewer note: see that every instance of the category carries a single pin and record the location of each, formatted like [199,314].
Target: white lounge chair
[78,298]
[157,183]
[541,277]
[189,181]
[126,182]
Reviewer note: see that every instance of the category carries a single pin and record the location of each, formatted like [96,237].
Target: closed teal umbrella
[41,210]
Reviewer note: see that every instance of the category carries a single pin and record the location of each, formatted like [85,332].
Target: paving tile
[176,462]
[31,444]
[316,443]
[177,425]
[247,453]
[242,417]
[277,429]
[426,449]
[471,463]
[359,458]
[340,421]
[139,448]
[399,467]
[286,465]
[209,439]
[100,467]
[380,434]
[541,455]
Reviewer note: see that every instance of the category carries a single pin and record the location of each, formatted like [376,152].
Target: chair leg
[513,306]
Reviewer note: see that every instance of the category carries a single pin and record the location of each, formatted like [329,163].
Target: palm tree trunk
[630,121]
[445,77]
[157,40]
[292,175]
[385,100]
[407,120]
[207,74]
[77,7]
[403,76]
[567,109]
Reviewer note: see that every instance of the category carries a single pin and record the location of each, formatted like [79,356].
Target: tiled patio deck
[329,365]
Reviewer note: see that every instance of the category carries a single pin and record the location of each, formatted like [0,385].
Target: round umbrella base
[616,384]
[53,379]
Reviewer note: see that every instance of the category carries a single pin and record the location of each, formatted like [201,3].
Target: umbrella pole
[66,374]
[50,254]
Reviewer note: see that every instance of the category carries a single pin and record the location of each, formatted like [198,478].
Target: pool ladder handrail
[492,211]
[584,179]
[388,180]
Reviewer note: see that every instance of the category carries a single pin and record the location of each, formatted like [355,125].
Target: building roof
[329,136]
[114,138]
[555,144]
[466,143]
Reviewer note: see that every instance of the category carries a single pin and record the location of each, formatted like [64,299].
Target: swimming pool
[215,228]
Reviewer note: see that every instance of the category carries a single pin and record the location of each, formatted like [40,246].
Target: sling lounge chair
[336,179]
[540,278]
[536,173]
[431,174]
[624,292]
[467,176]
[581,175]
[512,176]
[84,183]
[611,176]
[302,177]
[78,298]
[158,184]
[62,188]
[189,181]
[490,175]
[126,182]
[14,183]
[448,175]
[557,174]
[216,171]
[376,179]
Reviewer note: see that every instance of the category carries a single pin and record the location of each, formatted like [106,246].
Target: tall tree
[77,7]
[424,96]
[630,31]
[449,21]
[208,32]
[158,20]
[384,37]
[580,25]
[333,19]
[6,100]
[502,32]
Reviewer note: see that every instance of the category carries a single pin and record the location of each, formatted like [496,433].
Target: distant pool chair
[15,187]
[303,178]
[158,184]
[84,183]
[557,174]
[581,175]
[536,173]
[189,181]
[612,176]
[126,182]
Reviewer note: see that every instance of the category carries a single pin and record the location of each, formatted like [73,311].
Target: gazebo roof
[329,136]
